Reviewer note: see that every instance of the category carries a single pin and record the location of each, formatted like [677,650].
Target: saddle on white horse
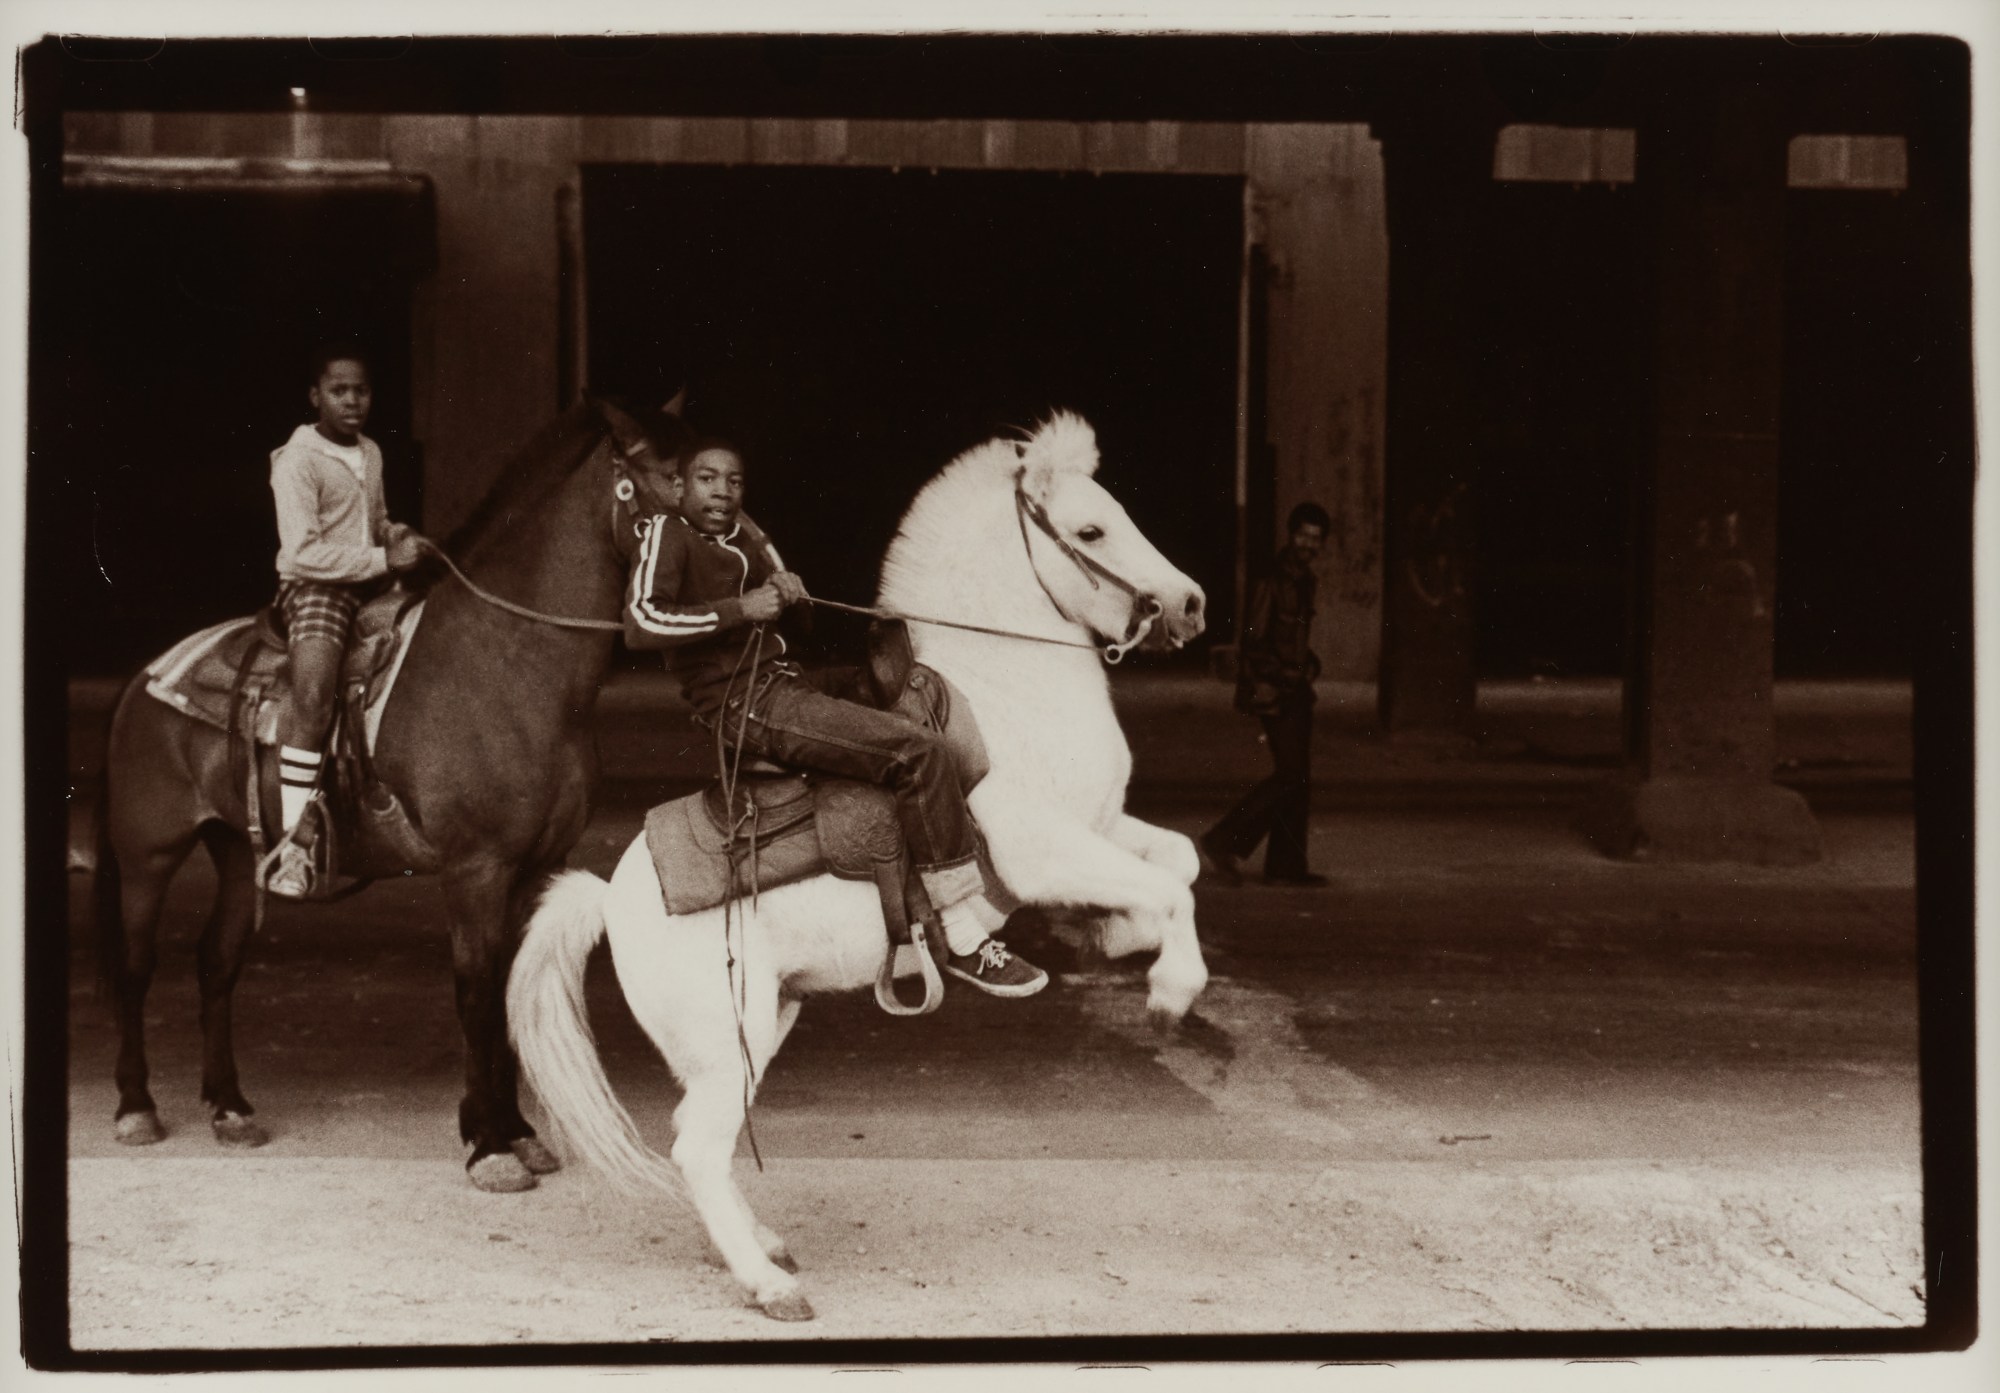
[236,676]
[785,825]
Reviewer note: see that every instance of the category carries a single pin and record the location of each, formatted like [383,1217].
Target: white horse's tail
[547,1019]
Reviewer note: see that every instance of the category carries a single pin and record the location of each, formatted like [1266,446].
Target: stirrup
[885,981]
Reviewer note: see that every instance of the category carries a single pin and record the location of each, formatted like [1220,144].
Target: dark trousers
[1279,807]
[794,722]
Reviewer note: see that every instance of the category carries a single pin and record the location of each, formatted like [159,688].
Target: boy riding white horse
[706,585]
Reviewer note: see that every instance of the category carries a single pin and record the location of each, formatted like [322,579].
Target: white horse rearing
[1051,810]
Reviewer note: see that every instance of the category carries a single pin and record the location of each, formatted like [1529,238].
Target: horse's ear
[622,424]
[676,404]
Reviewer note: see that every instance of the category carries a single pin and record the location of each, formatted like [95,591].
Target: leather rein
[625,510]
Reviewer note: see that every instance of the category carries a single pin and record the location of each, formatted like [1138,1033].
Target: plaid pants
[315,609]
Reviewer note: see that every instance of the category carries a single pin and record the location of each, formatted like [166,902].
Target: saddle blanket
[199,676]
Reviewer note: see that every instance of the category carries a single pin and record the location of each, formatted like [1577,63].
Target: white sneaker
[292,877]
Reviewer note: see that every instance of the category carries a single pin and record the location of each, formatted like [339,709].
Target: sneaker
[292,877]
[995,971]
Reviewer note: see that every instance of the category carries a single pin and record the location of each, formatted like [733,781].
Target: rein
[1025,510]
[874,612]
[561,621]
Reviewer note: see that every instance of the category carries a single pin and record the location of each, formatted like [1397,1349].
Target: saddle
[787,825]
[235,676]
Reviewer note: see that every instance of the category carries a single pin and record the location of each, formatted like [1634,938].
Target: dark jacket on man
[1275,657]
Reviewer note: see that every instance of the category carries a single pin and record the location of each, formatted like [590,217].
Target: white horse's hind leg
[706,1126]
[774,1246]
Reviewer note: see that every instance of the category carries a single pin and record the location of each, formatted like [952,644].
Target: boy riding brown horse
[336,546]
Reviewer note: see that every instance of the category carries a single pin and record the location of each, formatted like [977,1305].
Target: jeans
[1278,807]
[794,721]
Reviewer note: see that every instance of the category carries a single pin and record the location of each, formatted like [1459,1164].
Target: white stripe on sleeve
[651,617]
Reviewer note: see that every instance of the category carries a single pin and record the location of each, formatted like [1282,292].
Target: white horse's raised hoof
[501,1173]
[1011,536]
[790,1306]
[140,1129]
[532,1153]
[234,1129]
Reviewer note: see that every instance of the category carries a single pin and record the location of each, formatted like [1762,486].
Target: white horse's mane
[958,549]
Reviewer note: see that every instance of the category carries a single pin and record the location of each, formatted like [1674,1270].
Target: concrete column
[1317,191]
[1699,724]
[486,357]
[1438,172]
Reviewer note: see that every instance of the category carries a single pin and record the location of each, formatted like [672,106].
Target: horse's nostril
[1193,607]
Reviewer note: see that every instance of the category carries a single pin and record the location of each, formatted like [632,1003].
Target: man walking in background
[1275,668]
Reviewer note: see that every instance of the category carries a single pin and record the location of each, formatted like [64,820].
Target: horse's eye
[1092,533]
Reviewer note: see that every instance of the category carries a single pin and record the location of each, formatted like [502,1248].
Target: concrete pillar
[1438,171]
[1317,195]
[487,325]
[1699,726]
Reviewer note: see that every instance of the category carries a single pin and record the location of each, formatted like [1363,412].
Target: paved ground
[1486,1080]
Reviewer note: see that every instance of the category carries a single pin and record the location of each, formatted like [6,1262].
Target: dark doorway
[856,329]
[185,319]
[1853,463]
[1563,400]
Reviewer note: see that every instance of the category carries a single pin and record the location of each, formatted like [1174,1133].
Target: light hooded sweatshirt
[331,519]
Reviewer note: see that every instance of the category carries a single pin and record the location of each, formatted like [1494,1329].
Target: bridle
[625,508]
[628,525]
[1145,608]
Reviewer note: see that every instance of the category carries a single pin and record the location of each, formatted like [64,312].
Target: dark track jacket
[685,599]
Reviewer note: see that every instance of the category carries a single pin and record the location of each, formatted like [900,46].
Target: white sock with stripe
[298,776]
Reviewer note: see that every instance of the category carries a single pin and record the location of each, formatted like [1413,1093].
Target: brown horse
[486,738]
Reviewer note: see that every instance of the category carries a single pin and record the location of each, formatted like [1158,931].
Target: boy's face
[342,398]
[1307,539]
[714,492]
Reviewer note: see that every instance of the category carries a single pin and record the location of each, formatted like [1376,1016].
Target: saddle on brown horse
[786,825]
[236,676]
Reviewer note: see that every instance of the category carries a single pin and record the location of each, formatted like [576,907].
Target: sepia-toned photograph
[736,697]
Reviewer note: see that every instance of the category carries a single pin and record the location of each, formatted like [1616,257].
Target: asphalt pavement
[1485,1079]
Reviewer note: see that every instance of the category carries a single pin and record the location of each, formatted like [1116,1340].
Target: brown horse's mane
[551,455]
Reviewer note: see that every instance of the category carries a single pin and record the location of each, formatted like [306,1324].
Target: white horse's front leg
[1167,849]
[1051,859]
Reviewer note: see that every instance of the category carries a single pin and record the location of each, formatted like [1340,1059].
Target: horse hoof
[140,1129]
[501,1173]
[234,1129]
[1164,1019]
[532,1153]
[785,1262]
[791,1306]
